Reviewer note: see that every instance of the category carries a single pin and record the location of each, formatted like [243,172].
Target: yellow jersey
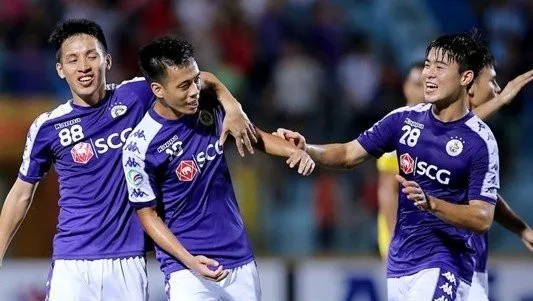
[387,163]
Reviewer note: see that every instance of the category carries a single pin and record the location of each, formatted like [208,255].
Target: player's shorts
[241,284]
[428,285]
[102,279]
[479,291]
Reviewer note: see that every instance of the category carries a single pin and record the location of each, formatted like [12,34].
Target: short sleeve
[140,176]
[484,179]
[379,139]
[37,157]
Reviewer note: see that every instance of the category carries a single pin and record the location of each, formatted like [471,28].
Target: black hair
[72,27]
[163,52]
[466,49]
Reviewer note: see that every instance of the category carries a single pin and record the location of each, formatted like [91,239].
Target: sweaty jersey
[454,161]
[84,145]
[179,166]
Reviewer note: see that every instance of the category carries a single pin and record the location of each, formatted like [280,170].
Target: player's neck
[166,111]
[450,111]
[89,100]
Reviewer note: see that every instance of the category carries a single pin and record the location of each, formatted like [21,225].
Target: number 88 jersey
[85,146]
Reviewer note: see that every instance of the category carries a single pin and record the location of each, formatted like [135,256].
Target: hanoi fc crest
[454,147]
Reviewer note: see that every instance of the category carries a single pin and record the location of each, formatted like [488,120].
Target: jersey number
[71,135]
[410,135]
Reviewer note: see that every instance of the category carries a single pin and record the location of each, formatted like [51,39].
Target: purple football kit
[85,146]
[454,161]
[179,166]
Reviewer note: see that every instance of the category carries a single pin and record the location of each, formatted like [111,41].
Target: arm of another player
[14,210]
[276,146]
[338,155]
[164,238]
[477,216]
[235,122]
[506,217]
[487,109]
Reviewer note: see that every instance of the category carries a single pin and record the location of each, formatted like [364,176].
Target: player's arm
[276,146]
[14,210]
[476,216]
[490,107]
[506,217]
[338,155]
[235,122]
[165,239]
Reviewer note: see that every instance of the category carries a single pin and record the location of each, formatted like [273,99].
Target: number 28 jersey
[85,146]
[454,161]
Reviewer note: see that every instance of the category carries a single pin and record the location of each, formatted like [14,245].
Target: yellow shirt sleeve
[388,163]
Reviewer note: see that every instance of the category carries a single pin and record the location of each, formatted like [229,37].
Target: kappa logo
[118,110]
[138,193]
[186,170]
[132,163]
[82,152]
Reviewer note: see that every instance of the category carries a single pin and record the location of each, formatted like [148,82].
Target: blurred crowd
[326,68]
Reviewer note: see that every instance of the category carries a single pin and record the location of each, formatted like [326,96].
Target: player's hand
[200,266]
[527,238]
[414,193]
[237,124]
[306,164]
[514,86]
[295,138]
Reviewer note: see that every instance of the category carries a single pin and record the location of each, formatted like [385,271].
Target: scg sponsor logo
[409,165]
[113,141]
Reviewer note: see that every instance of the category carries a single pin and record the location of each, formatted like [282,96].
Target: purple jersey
[84,144]
[481,245]
[454,161]
[178,166]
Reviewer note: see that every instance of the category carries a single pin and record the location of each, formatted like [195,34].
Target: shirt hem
[409,272]
[180,266]
[99,256]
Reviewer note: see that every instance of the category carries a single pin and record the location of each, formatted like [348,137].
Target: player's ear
[467,77]
[109,61]
[59,69]
[472,88]
[157,89]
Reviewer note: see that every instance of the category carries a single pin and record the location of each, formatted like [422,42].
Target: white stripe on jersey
[34,130]
[116,86]
[421,107]
[134,156]
[492,176]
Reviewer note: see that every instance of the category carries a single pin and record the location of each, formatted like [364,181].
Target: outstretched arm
[276,146]
[15,207]
[487,109]
[506,217]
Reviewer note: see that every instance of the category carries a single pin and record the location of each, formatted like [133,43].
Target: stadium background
[328,69]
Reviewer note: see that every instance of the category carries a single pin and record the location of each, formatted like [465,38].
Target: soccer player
[449,171]
[180,184]
[99,247]
[485,98]
[387,165]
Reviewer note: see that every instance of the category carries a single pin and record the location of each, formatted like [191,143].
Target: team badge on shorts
[454,147]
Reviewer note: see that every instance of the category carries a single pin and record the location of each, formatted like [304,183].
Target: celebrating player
[449,171]
[180,183]
[99,247]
